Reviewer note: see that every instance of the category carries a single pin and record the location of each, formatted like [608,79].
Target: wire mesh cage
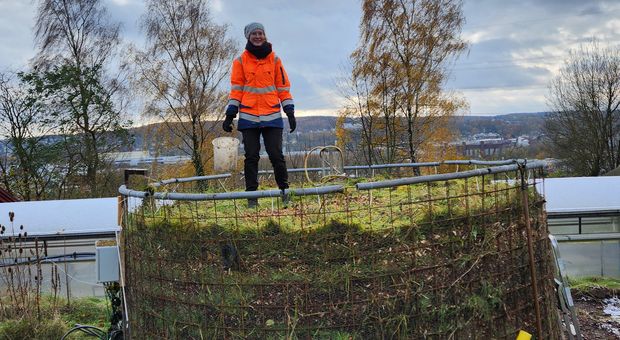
[457,255]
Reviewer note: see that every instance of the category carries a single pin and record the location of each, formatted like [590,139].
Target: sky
[515,48]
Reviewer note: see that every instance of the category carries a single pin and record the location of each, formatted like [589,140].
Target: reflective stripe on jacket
[259,87]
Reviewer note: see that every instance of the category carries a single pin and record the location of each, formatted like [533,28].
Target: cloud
[498,101]
[121,2]
[16,39]
[516,48]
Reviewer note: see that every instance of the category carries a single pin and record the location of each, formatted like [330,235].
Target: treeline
[82,80]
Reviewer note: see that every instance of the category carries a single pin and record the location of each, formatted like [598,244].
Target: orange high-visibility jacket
[259,87]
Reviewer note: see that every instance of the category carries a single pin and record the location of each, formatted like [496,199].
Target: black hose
[73,256]
[89,330]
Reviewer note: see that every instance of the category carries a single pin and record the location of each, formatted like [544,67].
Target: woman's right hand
[228,123]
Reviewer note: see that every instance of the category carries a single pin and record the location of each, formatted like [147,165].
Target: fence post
[530,249]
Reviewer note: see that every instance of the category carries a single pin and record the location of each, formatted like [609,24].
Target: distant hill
[507,125]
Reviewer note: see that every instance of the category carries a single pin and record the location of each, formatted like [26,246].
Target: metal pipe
[392,165]
[448,176]
[189,179]
[231,195]
[530,249]
[404,165]
[478,162]
[587,237]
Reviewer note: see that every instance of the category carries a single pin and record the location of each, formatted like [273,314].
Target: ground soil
[594,323]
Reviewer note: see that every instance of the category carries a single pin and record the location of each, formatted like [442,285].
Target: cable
[50,259]
[89,330]
[73,278]
[122,279]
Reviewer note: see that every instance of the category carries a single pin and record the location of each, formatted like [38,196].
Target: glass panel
[615,220]
[611,258]
[582,258]
[562,226]
[593,225]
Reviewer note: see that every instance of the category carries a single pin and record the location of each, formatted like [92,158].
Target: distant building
[135,158]
[482,148]
[483,145]
[522,141]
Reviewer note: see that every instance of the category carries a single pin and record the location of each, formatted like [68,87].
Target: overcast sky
[515,47]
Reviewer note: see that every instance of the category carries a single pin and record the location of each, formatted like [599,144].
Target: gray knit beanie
[249,28]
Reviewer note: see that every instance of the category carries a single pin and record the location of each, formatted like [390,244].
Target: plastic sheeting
[61,217]
[581,194]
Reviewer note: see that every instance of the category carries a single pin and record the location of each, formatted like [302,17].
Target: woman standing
[259,88]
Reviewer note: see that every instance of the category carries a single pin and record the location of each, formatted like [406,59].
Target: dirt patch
[597,310]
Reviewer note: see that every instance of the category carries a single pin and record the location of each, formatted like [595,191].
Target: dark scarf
[259,52]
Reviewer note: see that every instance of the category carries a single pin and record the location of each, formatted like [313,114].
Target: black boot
[286,198]
[252,203]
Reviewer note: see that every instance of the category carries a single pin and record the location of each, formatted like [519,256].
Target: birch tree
[182,72]
[76,42]
[30,162]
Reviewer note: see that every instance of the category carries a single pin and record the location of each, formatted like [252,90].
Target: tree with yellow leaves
[402,55]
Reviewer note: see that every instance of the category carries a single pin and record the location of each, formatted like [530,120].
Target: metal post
[530,249]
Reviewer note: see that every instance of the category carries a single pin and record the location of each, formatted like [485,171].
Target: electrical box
[107,264]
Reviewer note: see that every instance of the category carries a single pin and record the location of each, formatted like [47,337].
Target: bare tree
[404,49]
[584,126]
[182,72]
[77,41]
[31,161]
[359,105]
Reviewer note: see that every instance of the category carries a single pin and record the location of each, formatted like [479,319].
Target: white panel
[581,194]
[61,216]
[107,264]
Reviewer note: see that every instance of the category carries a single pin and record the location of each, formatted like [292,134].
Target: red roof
[6,196]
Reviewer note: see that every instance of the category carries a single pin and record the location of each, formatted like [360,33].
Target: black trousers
[272,138]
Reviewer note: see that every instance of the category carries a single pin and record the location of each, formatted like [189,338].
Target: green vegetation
[586,284]
[371,210]
[56,318]
[429,260]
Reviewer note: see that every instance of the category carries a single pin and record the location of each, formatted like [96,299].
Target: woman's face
[257,37]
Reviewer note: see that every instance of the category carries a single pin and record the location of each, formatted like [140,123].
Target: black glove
[231,113]
[291,122]
[227,125]
[290,113]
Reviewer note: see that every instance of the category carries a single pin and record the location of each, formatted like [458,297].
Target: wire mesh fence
[460,255]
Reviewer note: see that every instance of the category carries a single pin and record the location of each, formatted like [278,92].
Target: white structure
[570,195]
[584,215]
[65,232]
[62,217]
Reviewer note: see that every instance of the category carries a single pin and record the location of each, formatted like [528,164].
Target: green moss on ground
[587,284]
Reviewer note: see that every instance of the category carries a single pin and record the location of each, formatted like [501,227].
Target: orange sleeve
[237,81]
